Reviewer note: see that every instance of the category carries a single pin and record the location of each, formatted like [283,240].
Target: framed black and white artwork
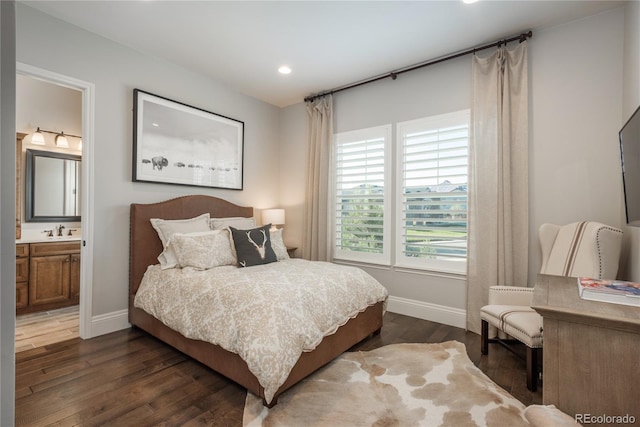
[175,143]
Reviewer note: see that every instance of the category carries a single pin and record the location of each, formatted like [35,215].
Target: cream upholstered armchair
[586,248]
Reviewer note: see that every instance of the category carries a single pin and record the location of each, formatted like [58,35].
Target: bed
[146,246]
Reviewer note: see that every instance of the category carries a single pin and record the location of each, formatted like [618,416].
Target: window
[431,206]
[426,221]
[362,195]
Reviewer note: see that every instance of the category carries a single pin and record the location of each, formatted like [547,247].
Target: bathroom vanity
[47,265]
[47,274]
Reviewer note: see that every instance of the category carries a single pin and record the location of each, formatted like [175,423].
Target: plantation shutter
[361,195]
[432,195]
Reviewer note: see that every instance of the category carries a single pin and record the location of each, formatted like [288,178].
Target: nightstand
[291,250]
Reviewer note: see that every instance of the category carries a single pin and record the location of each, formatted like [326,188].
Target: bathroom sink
[63,238]
[44,239]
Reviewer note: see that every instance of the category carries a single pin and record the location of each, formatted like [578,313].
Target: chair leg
[484,337]
[532,368]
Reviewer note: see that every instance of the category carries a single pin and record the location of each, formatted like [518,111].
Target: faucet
[59,230]
[49,232]
[71,230]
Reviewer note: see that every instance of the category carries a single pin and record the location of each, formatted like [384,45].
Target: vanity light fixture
[37,138]
[273,217]
[61,141]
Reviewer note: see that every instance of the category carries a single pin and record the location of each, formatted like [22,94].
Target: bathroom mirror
[52,186]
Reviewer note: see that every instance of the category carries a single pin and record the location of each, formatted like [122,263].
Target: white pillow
[239,222]
[168,227]
[203,250]
[277,244]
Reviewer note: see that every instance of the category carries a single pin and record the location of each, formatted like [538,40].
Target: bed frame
[145,246]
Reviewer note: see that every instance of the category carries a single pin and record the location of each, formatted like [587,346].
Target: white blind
[432,217]
[360,191]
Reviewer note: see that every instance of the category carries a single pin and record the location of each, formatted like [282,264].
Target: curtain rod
[394,74]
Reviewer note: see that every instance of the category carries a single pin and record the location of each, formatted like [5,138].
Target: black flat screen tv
[630,156]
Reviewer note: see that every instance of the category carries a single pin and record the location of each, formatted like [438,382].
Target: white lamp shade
[37,138]
[273,216]
[61,141]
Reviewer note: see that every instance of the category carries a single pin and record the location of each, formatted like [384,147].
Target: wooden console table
[591,356]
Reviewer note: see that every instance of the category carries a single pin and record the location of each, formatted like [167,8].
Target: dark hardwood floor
[129,378]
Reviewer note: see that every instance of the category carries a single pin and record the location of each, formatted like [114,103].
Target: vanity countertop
[43,239]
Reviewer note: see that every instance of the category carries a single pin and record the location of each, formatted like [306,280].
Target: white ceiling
[327,43]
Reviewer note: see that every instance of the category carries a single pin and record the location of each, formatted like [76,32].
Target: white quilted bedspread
[268,314]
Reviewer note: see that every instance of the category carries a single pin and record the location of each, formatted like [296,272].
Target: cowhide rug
[395,385]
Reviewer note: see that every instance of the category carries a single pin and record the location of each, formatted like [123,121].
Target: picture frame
[176,143]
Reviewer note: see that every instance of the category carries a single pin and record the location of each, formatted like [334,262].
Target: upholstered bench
[521,323]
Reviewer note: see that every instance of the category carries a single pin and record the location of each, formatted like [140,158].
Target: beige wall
[293,175]
[576,108]
[48,106]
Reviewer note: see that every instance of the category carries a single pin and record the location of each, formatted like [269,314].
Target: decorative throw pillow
[202,250]
[193,250]
[278,246]
[168,227]
[253,247]
[239,222]
[225,253]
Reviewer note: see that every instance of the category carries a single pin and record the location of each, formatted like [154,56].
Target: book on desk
[614,291]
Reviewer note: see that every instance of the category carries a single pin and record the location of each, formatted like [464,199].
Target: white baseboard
[423,310]
[109,322]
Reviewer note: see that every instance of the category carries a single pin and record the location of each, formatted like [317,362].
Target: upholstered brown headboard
[145,245]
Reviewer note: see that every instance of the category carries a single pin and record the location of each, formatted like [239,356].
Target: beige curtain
[498,177]
[316,243]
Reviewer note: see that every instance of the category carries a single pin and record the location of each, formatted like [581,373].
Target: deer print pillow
[253,247]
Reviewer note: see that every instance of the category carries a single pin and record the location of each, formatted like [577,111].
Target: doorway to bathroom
[54,124]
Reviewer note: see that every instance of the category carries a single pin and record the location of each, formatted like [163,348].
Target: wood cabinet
[53,271]
[74,278]
[590,356]
[22,275]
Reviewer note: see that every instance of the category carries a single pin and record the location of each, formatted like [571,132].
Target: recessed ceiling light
[285,69]
[469,1]
[155,125]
